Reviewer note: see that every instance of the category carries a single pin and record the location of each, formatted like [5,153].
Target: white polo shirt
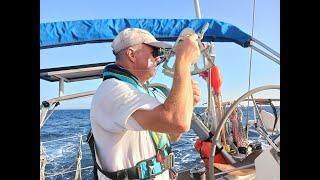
[120,141]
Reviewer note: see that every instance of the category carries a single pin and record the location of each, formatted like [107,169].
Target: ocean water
[60,137]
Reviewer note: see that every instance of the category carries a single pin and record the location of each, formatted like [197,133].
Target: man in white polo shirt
[129,125]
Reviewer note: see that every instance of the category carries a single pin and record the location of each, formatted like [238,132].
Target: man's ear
[130,54]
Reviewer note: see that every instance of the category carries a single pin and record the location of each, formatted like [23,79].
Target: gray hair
[121,53]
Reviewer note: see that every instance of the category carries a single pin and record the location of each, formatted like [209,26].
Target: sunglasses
[156,52]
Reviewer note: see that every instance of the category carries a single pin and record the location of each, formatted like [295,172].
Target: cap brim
[160,44]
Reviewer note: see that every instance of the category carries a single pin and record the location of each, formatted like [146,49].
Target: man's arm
[196,98]
[174,115]
[174,137]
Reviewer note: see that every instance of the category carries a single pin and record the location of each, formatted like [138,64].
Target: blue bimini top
[68,33]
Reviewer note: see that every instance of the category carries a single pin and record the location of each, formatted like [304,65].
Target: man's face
[147,60]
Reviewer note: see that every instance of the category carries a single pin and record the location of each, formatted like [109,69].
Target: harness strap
[131,173]
[90,141]
[145,169]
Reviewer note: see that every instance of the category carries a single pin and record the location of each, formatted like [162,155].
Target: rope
[250,64]
[43,162]
[244,140]
[79,157]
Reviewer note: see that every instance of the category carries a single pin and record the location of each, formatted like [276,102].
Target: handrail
[44,107]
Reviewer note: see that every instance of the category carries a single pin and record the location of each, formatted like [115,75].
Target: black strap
[218,149]
[210,136]
[131,173]
[109,77]
[90,141]
[112,67]
[210,140]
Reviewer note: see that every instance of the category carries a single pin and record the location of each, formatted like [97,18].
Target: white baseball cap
[134,36]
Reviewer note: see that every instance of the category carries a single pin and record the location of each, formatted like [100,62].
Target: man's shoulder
[114,83]
[115,88]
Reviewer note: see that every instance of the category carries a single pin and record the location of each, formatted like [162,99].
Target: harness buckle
[139,173]
[151,170]
[169,161]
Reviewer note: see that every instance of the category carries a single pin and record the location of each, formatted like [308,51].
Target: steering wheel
[227,115]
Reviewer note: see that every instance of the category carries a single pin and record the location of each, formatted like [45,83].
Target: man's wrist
[182,63]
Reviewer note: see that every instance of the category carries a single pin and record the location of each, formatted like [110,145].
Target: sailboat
[219,119]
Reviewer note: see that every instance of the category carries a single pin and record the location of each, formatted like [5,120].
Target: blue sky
[232,59]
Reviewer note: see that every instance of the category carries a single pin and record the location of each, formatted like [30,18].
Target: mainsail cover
[68,33]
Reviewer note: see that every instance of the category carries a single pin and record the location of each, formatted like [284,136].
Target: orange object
[204,74]
[203,147]
[216,79]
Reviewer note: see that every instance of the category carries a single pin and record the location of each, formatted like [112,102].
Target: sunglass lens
[156,52]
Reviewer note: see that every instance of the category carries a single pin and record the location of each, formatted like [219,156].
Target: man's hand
[196,92]
[188,49]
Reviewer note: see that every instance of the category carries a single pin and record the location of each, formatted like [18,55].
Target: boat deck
[247,174]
